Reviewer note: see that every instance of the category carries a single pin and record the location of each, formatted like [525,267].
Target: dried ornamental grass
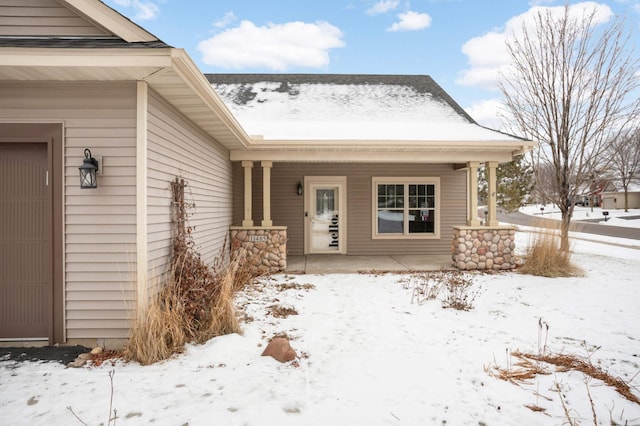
[545,258]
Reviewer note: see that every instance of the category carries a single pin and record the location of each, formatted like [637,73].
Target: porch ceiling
[168,71]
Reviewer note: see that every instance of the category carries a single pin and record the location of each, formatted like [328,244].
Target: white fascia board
[192,76]
[399,145]
[337,156]
[111,20]
[96,58]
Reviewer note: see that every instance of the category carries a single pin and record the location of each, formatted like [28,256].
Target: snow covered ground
[616,216]
[368,356]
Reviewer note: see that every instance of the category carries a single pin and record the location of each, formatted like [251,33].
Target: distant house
[613,196]
[286,164]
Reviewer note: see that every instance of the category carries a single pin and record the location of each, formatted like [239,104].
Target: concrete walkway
[336,263]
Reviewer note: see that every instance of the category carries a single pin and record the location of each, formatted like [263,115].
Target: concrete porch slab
[341,264]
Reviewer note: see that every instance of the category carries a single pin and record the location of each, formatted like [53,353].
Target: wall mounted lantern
[300,188]
[88,171]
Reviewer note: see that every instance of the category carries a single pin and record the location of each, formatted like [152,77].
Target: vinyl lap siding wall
[42,18]
[100,224]
[288,207]
[176,148]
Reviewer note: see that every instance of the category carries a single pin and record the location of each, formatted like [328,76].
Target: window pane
[390,222]
[324,201]
[421,221]
[391,196]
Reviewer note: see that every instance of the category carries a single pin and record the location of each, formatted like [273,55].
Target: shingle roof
[421,84]
[348,107]
[77,43]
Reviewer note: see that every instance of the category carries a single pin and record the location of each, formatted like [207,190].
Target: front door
[25,242]
[325,214]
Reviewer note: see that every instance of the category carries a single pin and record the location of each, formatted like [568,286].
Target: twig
[593,408]
[564,406]
[111,374]
[76,416]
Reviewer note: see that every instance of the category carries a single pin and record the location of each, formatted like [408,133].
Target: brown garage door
[25,259]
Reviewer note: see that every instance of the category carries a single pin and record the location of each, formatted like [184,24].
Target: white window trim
[376,180]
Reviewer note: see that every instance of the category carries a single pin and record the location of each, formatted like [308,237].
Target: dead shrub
[544,257]
[425,286]
[460,295]
[194,304]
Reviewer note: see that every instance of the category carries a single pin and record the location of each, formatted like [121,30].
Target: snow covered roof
[312,107]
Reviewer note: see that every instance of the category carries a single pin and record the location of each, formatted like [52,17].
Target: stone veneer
[484,248]
[264,247]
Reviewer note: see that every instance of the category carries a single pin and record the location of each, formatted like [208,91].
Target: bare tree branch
[572,86]
[624,160]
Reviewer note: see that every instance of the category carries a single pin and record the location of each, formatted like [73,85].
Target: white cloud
[274,46]
[383,6]
[143,10]
[411,21]
[487,54]
[540,2]
[227,19]
[488,113]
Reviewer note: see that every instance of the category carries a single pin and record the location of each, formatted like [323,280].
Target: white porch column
[266,193]
[248,214]
[472,191]
[491,196]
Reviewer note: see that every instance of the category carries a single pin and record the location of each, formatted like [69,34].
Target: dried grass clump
[158,333]
[545,258]
[280,311]
[194,304]
[569,362]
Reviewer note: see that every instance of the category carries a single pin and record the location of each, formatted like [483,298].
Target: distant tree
[570,87]
[542,183]
[624,160]
[513,184]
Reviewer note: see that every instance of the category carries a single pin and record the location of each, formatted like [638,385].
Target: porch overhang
[379,151]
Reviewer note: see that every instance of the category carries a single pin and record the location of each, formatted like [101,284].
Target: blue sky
[457,42]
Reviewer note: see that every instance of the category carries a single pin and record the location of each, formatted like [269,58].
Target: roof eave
[168,71]
[383,151]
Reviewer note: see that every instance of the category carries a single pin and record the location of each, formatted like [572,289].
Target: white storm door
[325,214]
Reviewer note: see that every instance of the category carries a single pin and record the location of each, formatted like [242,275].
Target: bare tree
[624,160]
[571,87]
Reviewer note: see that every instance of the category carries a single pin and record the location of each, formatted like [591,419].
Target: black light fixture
[300,188]
[88,171]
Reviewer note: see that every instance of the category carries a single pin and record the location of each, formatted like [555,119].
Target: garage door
[25,242]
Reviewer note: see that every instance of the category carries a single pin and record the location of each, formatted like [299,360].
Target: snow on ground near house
[371,357]
[616,216]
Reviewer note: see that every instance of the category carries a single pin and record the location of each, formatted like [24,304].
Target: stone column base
[483,247]
[265,248]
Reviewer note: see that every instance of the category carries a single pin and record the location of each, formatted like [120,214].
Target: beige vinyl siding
[176,148]
[42,18]
[288,207]
[100,224]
